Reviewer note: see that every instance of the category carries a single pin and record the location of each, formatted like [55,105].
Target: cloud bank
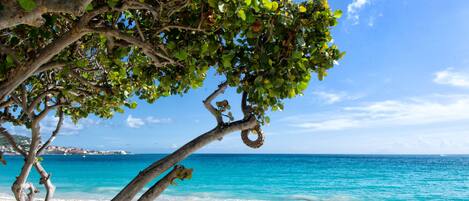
[389,113]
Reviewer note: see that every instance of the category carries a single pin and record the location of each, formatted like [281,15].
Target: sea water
[235,177]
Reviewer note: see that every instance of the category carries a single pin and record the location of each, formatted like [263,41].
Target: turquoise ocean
[239,177]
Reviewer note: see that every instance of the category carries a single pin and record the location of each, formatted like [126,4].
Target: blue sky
[403,87]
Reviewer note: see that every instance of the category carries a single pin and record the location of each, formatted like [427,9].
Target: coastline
[201,197]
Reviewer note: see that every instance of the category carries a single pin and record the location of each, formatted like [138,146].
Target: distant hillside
[21,140]
[24,141]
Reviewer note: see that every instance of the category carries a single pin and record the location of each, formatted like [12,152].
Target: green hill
[18,139]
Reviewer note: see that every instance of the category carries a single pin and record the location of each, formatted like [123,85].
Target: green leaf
[133,105]
[9,60]
[221,7]
[213,3]
[242,15]
[267,4]
[226,60]
[267,119]
[248,2]
[39,159]
[337,14]
[204,49]
[274,6]
[291,93]
[321,74]
[89,7]
[302,9]
[27,5]
[171,45]
[181,55]
[112,3]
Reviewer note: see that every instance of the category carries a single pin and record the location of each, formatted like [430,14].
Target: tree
[91,57]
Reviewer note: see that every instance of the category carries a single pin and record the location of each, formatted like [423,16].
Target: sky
[402,88]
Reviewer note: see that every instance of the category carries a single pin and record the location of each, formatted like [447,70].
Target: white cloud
[414,111]
[49,124]
[334,97]
[453,78]
[135,122]
[330,98]
[330,124]
[154,120]
[354,8]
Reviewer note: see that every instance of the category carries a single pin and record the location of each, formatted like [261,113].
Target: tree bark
[20,186]
[161,185]
[45,180]
[12,14]
[157,168]
[45,177]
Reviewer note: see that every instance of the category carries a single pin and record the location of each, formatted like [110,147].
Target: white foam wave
[201,197]
[316,198]
[195,197]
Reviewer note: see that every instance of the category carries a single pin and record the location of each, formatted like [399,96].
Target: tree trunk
[20,186]
[157,168]
[45,180]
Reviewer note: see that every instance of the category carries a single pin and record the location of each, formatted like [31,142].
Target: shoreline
[200,197]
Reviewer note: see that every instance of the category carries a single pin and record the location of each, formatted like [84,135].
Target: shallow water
[264,177]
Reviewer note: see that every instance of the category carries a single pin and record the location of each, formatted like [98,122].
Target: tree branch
[12,14]
[139,6]
[9,138]
[54,133]
[257,129]
[6,103]
[168,27]
[45,180]
[44,112]
[39,98]
[146,47]
[244,106]
[50,66]
[88,83]
[208,102]
[154,191]
[32,190]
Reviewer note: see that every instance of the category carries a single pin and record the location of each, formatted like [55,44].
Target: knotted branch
[208,102]
[259,141]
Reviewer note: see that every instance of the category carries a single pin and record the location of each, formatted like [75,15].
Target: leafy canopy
[267,49]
